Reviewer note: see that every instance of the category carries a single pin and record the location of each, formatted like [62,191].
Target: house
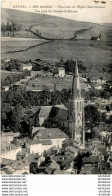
[65,161]
[92,160]
[19,141]
[20,166]
[51,166]
[34,146]
[61,72]
[23,154]
[98,86]
[89,169]
[27,67]
[9,151]
[98,38]
[38,146]
[58,172]
[54,134]
[99,81]
[46,167]
[9,136]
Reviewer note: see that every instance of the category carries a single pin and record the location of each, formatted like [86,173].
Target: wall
[7,139]
[11,154]
[29,68]
[61,73]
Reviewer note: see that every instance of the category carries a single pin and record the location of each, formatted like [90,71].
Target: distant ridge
[53,26]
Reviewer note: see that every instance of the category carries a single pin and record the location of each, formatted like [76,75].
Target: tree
[104,94]
[26,128]
[92,115]
[16,116]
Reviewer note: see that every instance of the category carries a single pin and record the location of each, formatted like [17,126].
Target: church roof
[45,111]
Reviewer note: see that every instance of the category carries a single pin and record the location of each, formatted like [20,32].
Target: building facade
[61,72]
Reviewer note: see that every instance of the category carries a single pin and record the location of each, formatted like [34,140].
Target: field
[4,74]
[10,45]
[55,27]
[40,83]
[96,56]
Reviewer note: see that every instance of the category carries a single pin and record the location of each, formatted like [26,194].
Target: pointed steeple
[76,91]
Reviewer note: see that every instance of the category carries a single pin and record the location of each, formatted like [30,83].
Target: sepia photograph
[56,87]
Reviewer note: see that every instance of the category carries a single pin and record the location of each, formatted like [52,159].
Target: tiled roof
[63,160]
[52,165]
[91,169]
[71,142]
[91,159]
[58,171]
[50,133]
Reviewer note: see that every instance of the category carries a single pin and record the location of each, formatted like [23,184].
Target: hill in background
[55,27]
[95,55]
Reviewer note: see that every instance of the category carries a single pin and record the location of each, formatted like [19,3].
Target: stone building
[61,72]
[76,110]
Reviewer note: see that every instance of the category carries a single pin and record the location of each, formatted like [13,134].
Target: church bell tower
[76,110]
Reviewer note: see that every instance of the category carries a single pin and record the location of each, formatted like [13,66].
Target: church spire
[76,90]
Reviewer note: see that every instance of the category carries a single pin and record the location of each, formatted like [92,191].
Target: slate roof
[45,111]
[50,133]
[61,107]
[62,115]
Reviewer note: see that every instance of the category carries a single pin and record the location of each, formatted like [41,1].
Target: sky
[85,10]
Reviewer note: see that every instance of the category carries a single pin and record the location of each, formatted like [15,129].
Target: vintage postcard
[56,87]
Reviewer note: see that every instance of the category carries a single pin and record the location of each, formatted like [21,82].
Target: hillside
[54,27]
[95,55]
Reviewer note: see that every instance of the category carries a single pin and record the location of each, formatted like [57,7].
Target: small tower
[76,110]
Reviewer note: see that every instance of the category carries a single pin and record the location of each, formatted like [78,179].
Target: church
[69,119]
[76,110]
